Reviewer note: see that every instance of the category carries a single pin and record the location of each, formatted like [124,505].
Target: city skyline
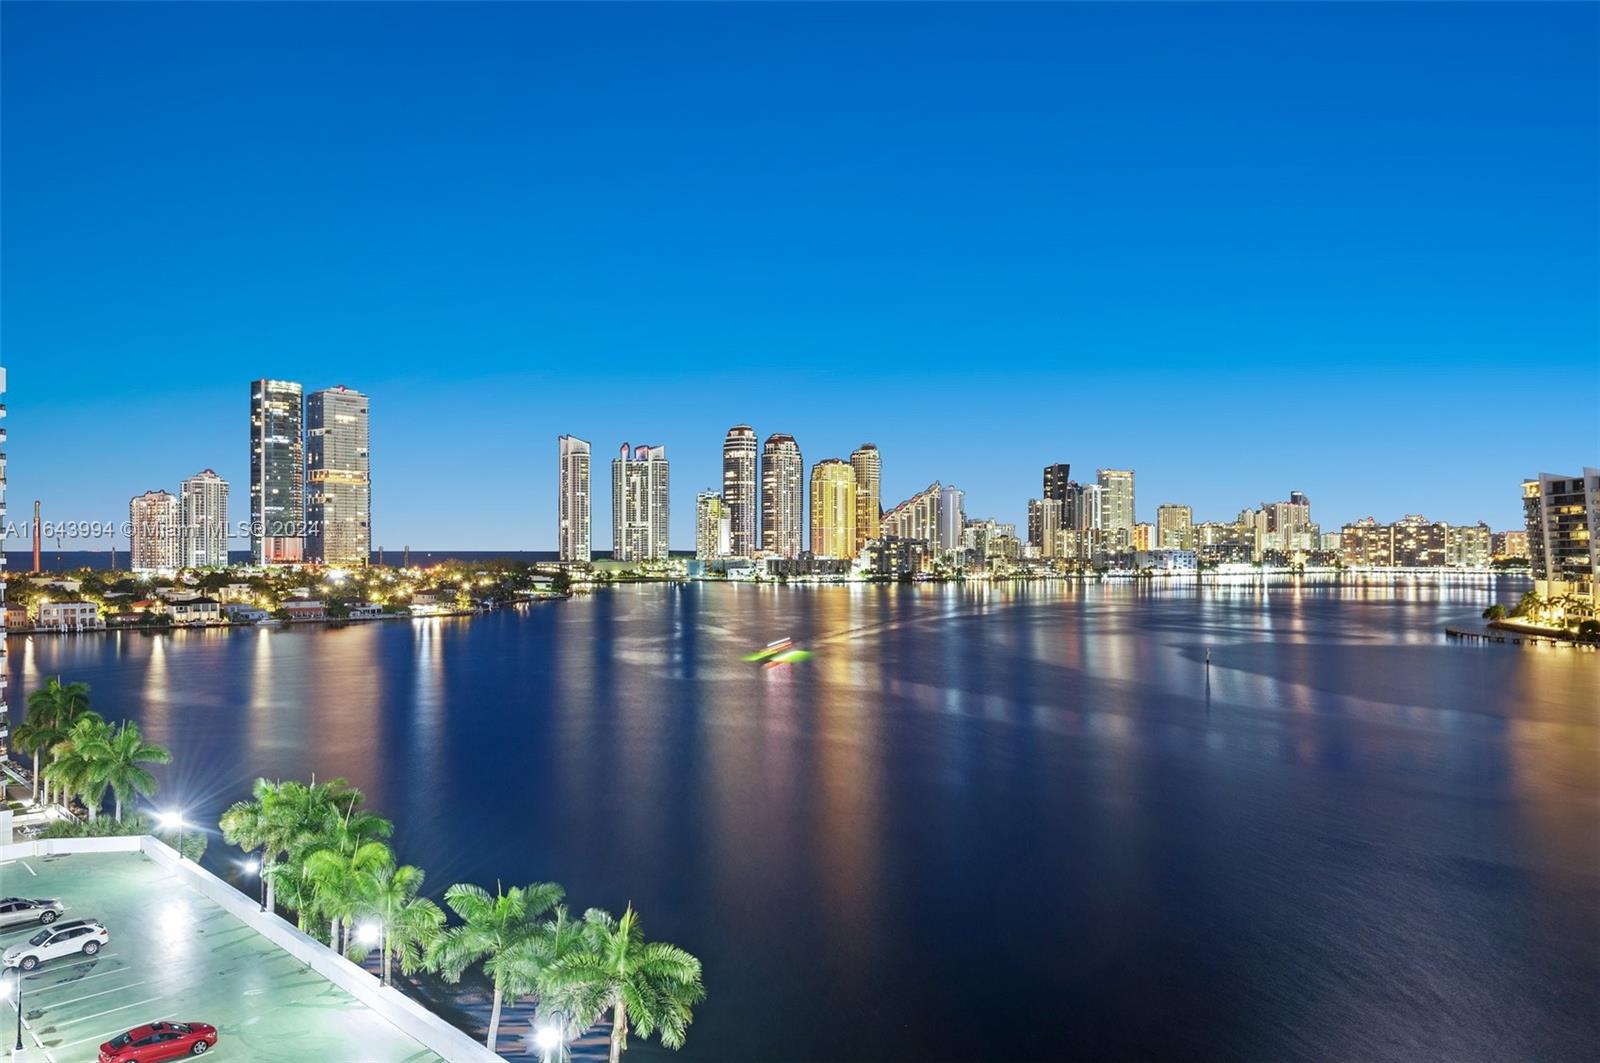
[1163,246]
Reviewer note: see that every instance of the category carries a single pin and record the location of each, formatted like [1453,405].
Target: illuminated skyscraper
[783,505]
[1117,513]
[869,504]
[833,508]
[917,518]
[572,505]
[277,472]
[952,518]
[203,521]
[153,533]
[338,478]
[1044,525]
[712,528]
[1057,481]
[1562,515]
[739,490]
[1174,527]
[639,495]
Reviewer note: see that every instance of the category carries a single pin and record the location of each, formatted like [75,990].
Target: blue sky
[1351,250]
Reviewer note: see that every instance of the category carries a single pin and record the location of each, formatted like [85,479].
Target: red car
[159,1040]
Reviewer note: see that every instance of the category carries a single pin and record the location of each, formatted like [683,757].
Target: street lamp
[548,1038]
[5,991]
[170,820]
[369,934]
[254,867]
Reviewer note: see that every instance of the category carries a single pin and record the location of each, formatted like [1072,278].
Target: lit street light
[170,820]
[253,867]
[369,934]
[548,1038]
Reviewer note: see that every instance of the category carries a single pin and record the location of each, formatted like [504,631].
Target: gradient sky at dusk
[1351,250]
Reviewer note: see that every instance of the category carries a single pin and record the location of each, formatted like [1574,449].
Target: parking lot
[174,954]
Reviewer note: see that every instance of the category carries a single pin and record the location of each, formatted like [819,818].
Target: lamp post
[5,991]
[258,868]
[548,1038]
[175,819]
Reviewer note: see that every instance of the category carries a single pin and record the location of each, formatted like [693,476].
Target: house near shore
[305,609]
[193,611]
[241,613]
[366,611]
[69,616]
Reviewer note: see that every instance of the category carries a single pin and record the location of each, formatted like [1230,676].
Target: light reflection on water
[974,805]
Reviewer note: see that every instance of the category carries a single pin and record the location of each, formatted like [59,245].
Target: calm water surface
[980,823]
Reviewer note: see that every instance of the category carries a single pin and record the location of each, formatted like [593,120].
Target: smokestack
[36,536]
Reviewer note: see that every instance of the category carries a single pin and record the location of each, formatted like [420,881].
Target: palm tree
[496,930]
[74,767]
[53,709]
[652,985]
[341,877]
[264,822]
[118,759]
[409,924]
[319,816]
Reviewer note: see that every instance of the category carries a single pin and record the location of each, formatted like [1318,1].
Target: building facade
[1469,546]
[153,533]
[1117,514]
[952,518]
[1174,527]
[277,472]
[713,529]
[640,486]
[573,539]
[203,521]
[338,477]
[1562,514]
[917,518]
[1044,526]
[739,490]
[833,509]
[868,466]
[783,502]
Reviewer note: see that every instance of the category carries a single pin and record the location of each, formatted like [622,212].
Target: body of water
[1007,822]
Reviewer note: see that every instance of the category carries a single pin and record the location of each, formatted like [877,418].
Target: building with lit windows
[1420,542]
[338,478]
[1468,545]
[1117,515]
[712,527]
[833,509]
[277,472]
[739,490]
[640,489]
[1562,515]
[917,518]
[783,503]
[868,466]
[952,518]
[1044,525]
[203,521]
[573,532]
[1174,526]
[153,533]
[1509,545]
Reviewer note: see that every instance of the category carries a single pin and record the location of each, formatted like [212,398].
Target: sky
[1351,250]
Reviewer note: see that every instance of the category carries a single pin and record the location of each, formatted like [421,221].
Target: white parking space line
[96,1015]
[102,1038]
[75,981]
[91,996]
[31,871]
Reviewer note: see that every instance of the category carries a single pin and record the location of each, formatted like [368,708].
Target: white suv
[76,937]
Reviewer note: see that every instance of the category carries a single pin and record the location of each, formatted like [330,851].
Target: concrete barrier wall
[406,1014]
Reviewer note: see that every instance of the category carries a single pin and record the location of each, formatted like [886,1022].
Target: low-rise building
[366,611]
[69,616]
[244,613]
[305,609]
[894,557]
[1166,561]
[191,612]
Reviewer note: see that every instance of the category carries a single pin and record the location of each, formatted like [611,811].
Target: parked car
[14,910]
[75,937]
[159,1040]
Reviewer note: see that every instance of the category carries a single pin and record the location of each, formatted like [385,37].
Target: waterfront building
[1331,541]
[1284,529]
[739,490]
[639,504]
[833,509]
[1057,487]
[916,518]
[153,533]
[1174,526]
[1044,525]
[952,518]
[1509,544]
[1366,544]
[783,510]
[868,468]
[892,557]
[277,472]
[70,616]
[338,478]
[1468,546]
[1089,517]
[1117,515]
[203,521]
[1166,561]
[1144,536]
[573,537]
[713,527]
[1562,514]
[1419,542]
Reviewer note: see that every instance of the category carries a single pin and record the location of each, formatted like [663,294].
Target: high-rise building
[783,504]
[1090,507]
[1366,544]
[1285,528]
[952,518]
[1057,481]
[1468,546]
[153,533]
[1420,542]
[203,521]
[833,508]
[572,534]
[869,503]
[1044,524]
[1174,527]
[1144,534]
[1562,514]
[1117,511]
[277,472]
[338,478]
[917,518]
[712,526]
[739,490]
[639,493]
[1510,544]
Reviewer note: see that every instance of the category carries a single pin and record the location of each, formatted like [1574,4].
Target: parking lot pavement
[176,955]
